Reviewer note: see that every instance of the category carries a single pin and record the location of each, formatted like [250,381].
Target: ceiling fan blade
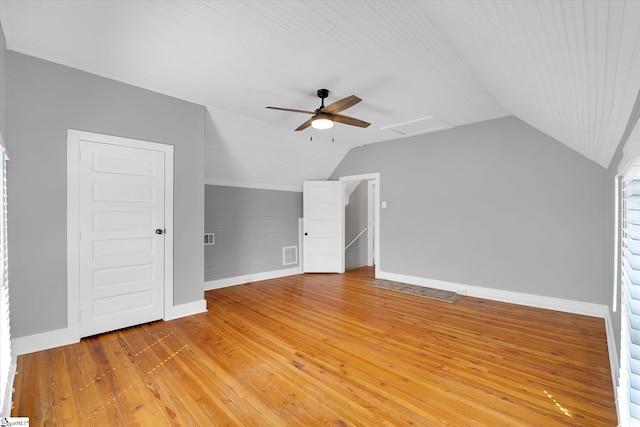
[292,110]
[350,121]
[341,105]
[305,124]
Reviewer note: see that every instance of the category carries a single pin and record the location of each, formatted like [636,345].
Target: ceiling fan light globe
[322,123]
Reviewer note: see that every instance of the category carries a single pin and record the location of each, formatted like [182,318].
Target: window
[629,386]
[6,360]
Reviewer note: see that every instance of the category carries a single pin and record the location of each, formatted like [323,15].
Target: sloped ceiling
[571,69]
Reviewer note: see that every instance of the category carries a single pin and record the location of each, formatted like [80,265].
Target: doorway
[372,207]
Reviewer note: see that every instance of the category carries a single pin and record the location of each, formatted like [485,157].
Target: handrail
[355,238]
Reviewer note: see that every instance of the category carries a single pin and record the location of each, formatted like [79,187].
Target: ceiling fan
[324,117]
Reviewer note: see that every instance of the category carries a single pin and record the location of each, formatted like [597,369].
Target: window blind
[6,359]
[629,386]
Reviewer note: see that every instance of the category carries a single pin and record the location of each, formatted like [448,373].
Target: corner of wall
[188,309]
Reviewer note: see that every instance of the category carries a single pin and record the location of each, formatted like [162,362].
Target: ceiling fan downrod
[322,94]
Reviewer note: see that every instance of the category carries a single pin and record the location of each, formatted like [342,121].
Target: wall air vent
[289,255]
[418,126]
[209,239]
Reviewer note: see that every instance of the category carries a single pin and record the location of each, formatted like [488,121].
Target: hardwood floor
[329,350]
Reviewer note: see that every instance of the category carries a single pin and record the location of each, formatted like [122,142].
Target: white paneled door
[323,227]
[121,236]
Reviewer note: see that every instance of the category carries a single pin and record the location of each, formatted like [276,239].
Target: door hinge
[79,156]
[79,315]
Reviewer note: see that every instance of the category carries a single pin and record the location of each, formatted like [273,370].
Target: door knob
[159,231]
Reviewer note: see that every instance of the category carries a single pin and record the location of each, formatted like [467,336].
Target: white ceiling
[571,69]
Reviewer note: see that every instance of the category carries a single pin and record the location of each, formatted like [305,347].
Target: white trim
[188,309]
[44,341]
[614,361]
[73,218]
[376,228]
[3,146]
[630,152]
[616,242]
[258,185]
[250,278]
[300,248]
[73,246]
[371,202]
[7,401]
[169,229]
[60,337]
[550,303]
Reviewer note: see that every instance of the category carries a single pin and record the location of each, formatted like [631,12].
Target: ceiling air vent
[418,126]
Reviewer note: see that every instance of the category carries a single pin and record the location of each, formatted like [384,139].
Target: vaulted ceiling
[571,69]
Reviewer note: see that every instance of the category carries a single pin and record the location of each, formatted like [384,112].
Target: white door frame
[372,256]
[375,177]
[73,218]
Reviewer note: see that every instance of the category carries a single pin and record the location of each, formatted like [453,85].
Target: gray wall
[495,204]
[251,227]
[355,220]
[3,87]
[46,99]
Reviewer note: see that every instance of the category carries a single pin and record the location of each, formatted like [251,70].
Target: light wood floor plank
[326,349]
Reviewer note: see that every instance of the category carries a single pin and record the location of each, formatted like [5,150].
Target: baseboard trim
[60,337]
[188,309]
[43,341]
[57,338]
[613,355]
[550,303]
[249,278]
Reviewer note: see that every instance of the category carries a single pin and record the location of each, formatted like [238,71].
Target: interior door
[323,227]
[121,213]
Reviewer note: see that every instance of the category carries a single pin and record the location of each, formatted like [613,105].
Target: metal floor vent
[289,255]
